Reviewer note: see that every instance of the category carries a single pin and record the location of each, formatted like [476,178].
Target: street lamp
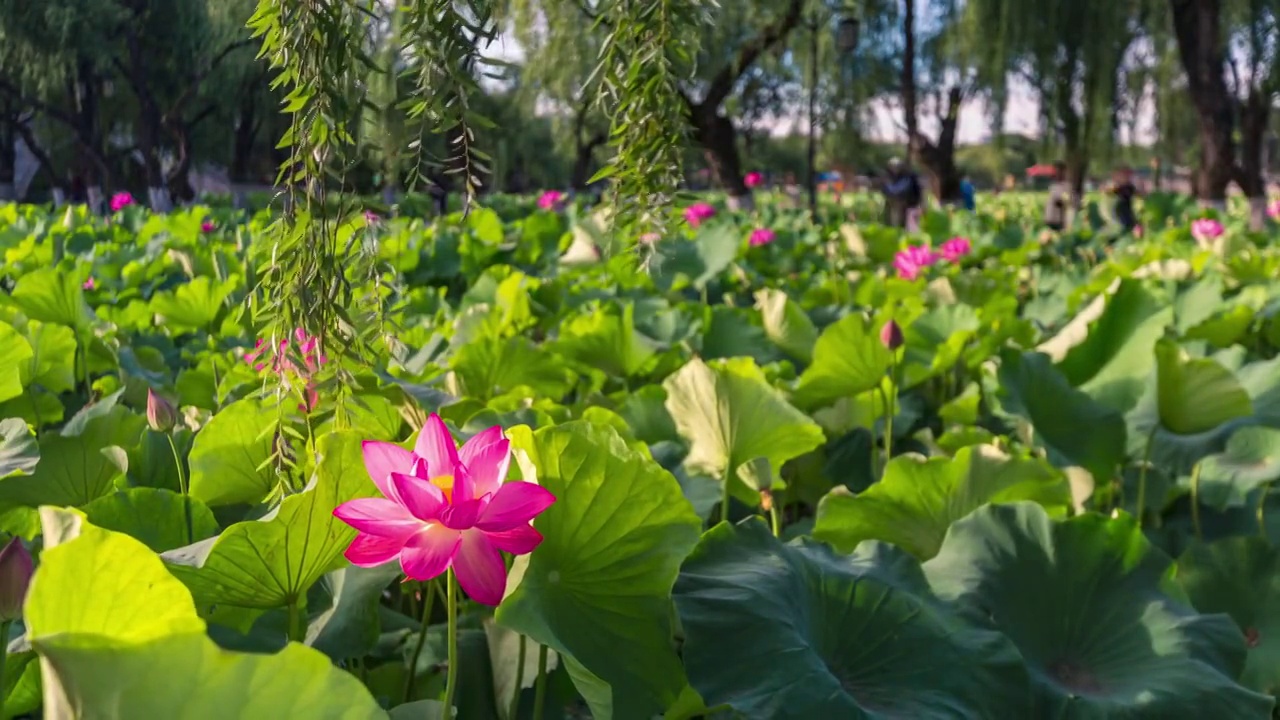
[847,29]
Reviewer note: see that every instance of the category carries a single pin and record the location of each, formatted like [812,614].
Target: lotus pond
[726,473]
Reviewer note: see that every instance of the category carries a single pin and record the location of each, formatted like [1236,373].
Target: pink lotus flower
[697,213]
[762,236]
[89,284]
[753,179]
[912,261]
[443,508]
[371,217]
[551,200]
[1206,229]
[120,201]
[208,226]
[1137,231]
[1273,210]
[955,248]
[283,364]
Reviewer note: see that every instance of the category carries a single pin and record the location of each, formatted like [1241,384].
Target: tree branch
[723,82]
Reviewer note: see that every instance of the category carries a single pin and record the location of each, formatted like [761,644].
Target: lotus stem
[724,494]
[1142,477]
[514,707]
[182,486]
[296,632]
[428,601]
[4,660]
[451,680]
[1195,502]
[1262,510]
[540,691]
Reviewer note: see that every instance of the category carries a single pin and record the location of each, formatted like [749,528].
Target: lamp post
[847,30]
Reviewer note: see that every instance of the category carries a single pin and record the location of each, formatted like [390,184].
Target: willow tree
[318,53]
[1072,52]
[1229,54]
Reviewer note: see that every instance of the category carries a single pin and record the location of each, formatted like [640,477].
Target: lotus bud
[891,335]
[15,576]
[161,415]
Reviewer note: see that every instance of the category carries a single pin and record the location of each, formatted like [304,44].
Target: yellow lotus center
[445,483]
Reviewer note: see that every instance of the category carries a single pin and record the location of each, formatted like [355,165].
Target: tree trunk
[910,111]
[939,159]
[1198,28]
[1252,173]
[583,159]
[8,152]
[719,139]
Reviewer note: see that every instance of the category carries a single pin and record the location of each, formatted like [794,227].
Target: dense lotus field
[1012,474]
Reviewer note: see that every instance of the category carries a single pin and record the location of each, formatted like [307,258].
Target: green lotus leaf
[50,295]
[272,562]
[80,464]
[606,340]
[15,355]
[917,500]
[797,631]
[1196,395]
[227,453]
[848,359]
[53,363]
[1076,429]
[114,630]
[935,341]
[701,260]
[19,452]
[1240,577]
[720,410]
[786,324]
[601,579]
[1093,609]
[155,517]
[195,305]
[1251,460]
[1113,360]
[731,333]
[489,367]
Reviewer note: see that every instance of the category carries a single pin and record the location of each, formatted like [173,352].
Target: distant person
[1055,208]
[968,198]
[1125,191]
[902,195]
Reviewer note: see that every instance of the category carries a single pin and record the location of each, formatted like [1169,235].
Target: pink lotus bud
[161,415]
[891,335]
[16,569]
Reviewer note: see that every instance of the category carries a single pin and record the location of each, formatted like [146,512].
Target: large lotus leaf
[19,452]
[935,342]
[81,463]
[15,355]
[700,260]
[227,453]
[645,410]
[798,631]
[343,609]
[1261,380]
[1189,410]
[1196,395]
[606,341]
[786,324]
[119,637]
[196,305]
[1240,576]
[1251,460]
[849,359]
[271,562]
[155,517]
[53,363]
[1114,359]
[1075,428]
[729,415]
[489,367]
[601,579]
[1092,607]
[50,295]
[917,500]
[731,332]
